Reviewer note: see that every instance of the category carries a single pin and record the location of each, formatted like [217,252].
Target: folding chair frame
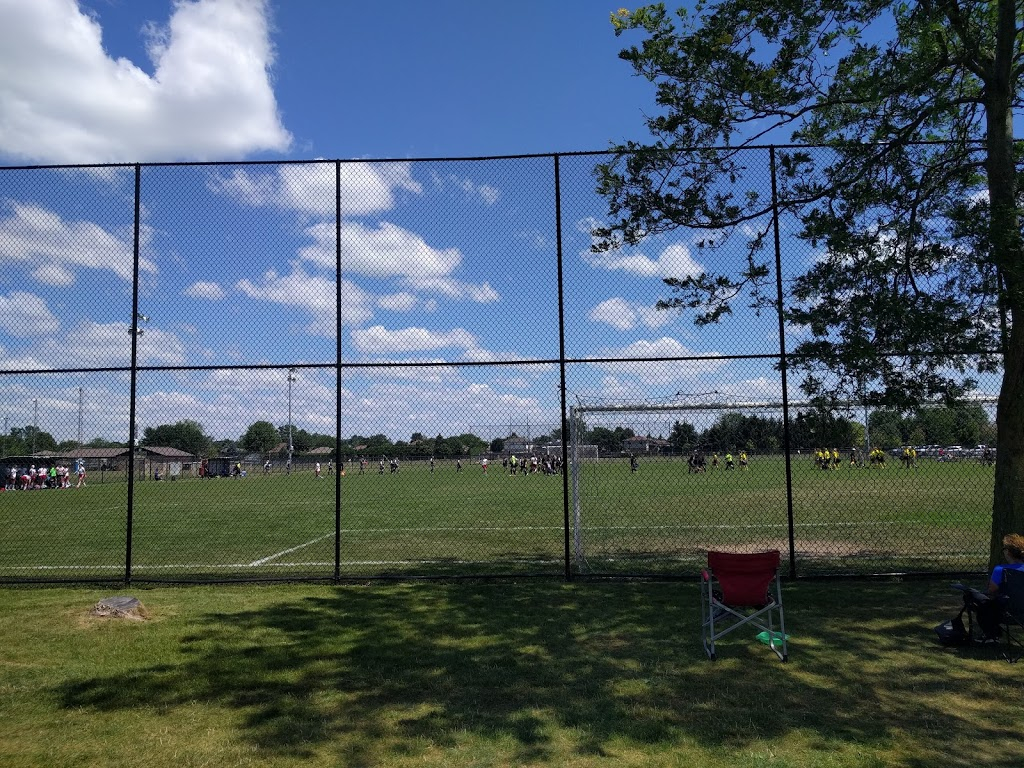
[715,612]
[1013,614]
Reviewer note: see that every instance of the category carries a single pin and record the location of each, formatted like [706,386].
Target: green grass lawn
[533,673]
[659,520]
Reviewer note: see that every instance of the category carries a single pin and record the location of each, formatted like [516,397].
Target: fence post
[787,446]
[561,368]
[134,378]
[337,372]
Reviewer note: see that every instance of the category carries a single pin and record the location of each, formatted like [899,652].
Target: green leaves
[905,288]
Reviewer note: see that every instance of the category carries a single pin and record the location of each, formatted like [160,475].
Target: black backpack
[954,632]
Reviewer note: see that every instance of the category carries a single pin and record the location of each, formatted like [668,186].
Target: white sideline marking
[330,564]
[265,560]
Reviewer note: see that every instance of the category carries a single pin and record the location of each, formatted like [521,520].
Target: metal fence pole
[134,378]
[787,446]
[561,367]
[337,382]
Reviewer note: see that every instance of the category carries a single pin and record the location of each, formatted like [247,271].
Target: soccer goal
[635,503]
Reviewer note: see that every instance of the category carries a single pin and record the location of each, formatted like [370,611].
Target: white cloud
[314,294]
[52,246]
[102,345]
[673,261]
[383,251]
[624,316]
[204,290]
[63,99]
[397,302]
[455,289]
[26,315]
[380,340]
[365,188]
[660,372]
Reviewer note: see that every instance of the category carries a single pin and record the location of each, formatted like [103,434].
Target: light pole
[291,378]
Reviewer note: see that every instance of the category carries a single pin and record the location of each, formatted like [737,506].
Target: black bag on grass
[953,632]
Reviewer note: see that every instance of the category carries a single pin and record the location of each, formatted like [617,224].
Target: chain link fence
[404,369]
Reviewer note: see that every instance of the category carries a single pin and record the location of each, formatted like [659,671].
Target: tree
[921,242]
[683,435]
[24,441]
[184,435]
[261,437]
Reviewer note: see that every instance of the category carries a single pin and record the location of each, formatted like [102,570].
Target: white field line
[330,564]
[265,560]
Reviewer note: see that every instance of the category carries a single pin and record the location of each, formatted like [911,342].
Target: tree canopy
[185,435]
[911,197]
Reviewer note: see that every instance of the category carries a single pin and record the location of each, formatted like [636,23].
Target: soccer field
[659,520]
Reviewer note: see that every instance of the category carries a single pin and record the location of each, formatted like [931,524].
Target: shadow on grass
[544,671]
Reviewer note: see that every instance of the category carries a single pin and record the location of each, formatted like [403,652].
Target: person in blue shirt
[988,607]
[1013,549]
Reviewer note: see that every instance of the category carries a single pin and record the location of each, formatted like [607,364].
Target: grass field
[513,673]
[658,520]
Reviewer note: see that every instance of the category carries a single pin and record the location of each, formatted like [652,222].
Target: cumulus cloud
[654,370]
[25,315]
[624,315]
[102,345]
[455,289]
[63,99]
[365,188]
[52,247]
[314,294]
[674,260]
[204,290]
[386,250]
[380,340]
[397,302]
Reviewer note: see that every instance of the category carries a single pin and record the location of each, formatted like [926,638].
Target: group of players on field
[697,462]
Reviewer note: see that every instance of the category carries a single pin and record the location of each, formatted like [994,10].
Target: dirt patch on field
[805,548]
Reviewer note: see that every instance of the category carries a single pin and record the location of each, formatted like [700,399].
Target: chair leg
[1014,647]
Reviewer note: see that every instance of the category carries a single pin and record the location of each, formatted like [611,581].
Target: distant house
[519,445]
[646,445]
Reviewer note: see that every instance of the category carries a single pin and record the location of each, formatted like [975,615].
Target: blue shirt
[997,572]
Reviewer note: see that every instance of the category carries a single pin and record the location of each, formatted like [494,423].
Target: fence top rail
[627,149]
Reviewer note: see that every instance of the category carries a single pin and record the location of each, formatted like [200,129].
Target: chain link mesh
[324,369]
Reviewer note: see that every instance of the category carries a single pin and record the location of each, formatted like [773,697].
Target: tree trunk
[1008,255]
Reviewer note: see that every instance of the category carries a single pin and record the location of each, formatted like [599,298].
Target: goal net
[654,485]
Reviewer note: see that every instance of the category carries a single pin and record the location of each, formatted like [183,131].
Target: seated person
[987,606]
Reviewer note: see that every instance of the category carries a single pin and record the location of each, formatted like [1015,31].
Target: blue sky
[441,261]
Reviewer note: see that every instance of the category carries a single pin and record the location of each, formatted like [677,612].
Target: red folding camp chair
[736,591]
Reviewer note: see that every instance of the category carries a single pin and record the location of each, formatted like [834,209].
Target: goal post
[618,505]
